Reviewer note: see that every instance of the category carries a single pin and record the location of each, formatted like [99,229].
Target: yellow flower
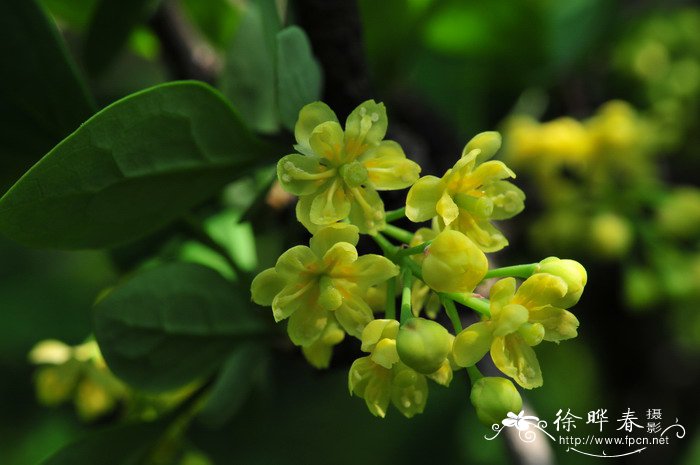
[470,195]
[519,320]
[308,285]
[338,172]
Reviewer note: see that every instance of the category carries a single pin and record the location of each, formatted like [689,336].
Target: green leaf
[216,20]
[131,169]
[110,28]
[248,79]
[122,445]
[172,324]
[298,74]
[42,98]
[237,378]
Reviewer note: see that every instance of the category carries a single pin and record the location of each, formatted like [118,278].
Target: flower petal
[326,141]
[319,353]
[377,393]
[559,324]
[330,205]
[384,353]
[447,208]
[388,168]
[508,200]
[409,390]
[353,315]
[422,198]
[368,270]
[510,318]
[471,344]
[501,294]
[266,285]
[303,211]
[488,144]
[311,116]
[330,235]
[367,210]
[306,324]
[539,290]
[481,231]
[299,174]
[517,359]
[365,127]
[297,263]
[491,171]
[290,298]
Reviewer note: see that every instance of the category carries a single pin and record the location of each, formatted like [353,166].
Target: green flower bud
[572,272]
[453,263]
[611,235]
[493,398]
[641,288]
[423,344]
[679,215]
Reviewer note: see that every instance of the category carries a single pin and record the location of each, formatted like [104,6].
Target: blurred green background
[446,69]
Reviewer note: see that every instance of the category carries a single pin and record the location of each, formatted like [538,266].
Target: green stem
[397,233]
[413,266]
[477,304]
[390,308]
[451,311]
[407,281]
[387,247]
[474,374]
[413,250]
[516,271]
[394,215]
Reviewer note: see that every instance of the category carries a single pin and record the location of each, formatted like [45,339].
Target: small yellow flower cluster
[327,290]
[78,373]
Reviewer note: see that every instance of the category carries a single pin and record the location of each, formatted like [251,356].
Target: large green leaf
[248,79]
[298,74]
[131,169]
[109,30]
[122,445]
[42,99]
[239,374]
[172,324]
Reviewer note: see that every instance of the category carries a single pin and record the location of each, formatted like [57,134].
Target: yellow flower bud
[493,398]
[423,345]
[572,272]
[453,263]
[611,235]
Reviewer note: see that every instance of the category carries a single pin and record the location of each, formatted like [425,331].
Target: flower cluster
[329,290]
[337,172]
